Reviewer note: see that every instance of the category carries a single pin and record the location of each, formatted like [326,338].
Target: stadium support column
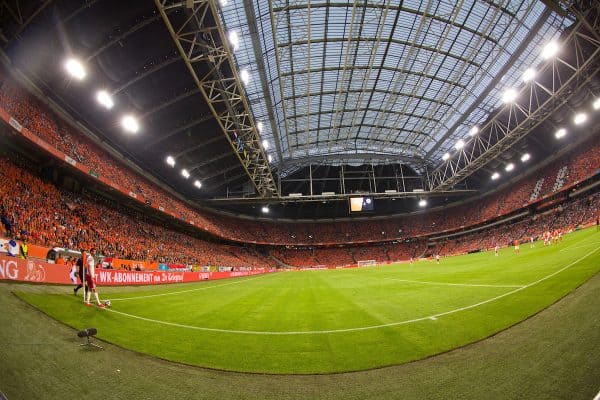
[310,181]
[342,183]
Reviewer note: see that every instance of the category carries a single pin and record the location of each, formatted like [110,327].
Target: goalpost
[366,263]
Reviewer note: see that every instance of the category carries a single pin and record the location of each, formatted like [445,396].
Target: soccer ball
[107,303]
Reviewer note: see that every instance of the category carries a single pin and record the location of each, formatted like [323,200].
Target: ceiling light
[525,157]
[550,50]
[265,144]
[171,161]
[562,132]
[446,156]
[75,68]
[509,167]
[130,124]
[223,3]
[265,210]
[422,203]
[259,126]
[460,144]
[580,118]
[495,176]
[185,173]
[596,104]
[234,40]
[474,131]
[245,76]
[509,95]
[105,99]
[198,184]
[528,75]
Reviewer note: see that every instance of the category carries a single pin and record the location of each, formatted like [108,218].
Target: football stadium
[296,199]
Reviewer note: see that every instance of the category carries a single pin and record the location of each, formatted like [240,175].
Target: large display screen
[361,204]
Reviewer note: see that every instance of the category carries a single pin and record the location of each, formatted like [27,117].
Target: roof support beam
[169,102]
[122,36]
[201,41]
[258,56]
[199,146]
[493,84]
[138,76]
[375,39]
[558,81]
[403,9]
[177,130]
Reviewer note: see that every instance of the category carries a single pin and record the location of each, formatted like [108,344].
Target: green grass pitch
[335,320]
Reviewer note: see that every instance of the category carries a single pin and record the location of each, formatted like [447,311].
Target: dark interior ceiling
[128,51]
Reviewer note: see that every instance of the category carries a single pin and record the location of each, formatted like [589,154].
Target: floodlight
[529,74]
[75,68]
[422,203]
[495,176]
[171,161]
[474,131]
[562,132]
[270,158]
[525,157]
[130,124]
[460,144]
[198,184]
[265,210]
[234,40]
[580,118]
[185,173]
[550,50]
[596,104]
[265,144]
[105,99]
[245,76]
[509,167]
[509,95]
[446,156]
[259,126]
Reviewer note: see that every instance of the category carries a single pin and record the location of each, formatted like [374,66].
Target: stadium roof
[335,85]
[402,79]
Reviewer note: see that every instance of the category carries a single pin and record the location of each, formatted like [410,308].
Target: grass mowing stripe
[456,284]
[318,332]
[187,291]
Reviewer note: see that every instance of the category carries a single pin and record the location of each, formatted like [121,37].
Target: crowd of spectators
[580,163]
[566,217]
[33,209]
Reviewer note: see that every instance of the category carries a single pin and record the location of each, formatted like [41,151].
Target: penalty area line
[361,328]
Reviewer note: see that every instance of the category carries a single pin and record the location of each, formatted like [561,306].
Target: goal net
[366,263]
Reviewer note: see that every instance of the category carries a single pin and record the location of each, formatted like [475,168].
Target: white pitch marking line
[362,328]
[189,290]
[455,284]
[597,396]
[578,247]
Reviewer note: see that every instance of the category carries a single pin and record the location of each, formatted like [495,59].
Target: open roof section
[400,79]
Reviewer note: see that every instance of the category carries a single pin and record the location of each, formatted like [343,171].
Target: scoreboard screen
[361,204]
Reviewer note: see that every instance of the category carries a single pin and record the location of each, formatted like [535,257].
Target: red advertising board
[15,269]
